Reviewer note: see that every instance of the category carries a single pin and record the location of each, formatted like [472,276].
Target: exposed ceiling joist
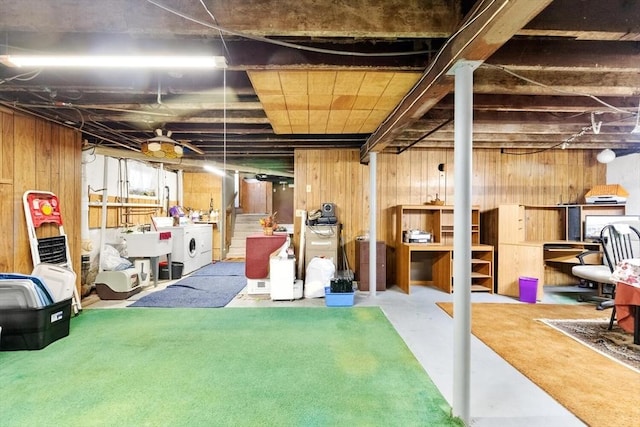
[485,29]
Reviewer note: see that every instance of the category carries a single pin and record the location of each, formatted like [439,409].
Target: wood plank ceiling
[367,74]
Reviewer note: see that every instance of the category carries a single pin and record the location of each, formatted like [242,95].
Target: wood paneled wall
[413,177]
[203,192]
[37,155]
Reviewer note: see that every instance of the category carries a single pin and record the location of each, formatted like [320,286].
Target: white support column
[180,198]
[373,216]
[103,212]
[463,145]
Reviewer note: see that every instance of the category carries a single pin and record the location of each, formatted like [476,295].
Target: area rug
[222,268]
[597,389]
[614,343]
[195,292]
[234,367]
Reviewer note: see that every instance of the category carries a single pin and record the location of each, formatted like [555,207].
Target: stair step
[245,225]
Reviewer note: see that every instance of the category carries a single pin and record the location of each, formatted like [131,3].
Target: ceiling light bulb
[606,156]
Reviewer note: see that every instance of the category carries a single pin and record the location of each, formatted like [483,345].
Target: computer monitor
[593,224]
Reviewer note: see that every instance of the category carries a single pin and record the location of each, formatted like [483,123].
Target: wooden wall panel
[24,179]
[203,192]
[413,176]
[37,155]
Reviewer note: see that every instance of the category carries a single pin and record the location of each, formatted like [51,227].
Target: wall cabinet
[362,261]
[432,263]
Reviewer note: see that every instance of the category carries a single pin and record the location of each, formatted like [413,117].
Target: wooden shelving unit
[432,263]
[438,220]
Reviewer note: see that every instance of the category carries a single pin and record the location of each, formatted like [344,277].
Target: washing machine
[192,245]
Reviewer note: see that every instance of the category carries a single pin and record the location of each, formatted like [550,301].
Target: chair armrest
[606,304]
[584,254]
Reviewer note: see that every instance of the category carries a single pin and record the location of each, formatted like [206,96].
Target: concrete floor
[500,395]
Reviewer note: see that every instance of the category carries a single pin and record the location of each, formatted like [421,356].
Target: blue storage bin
[341,299]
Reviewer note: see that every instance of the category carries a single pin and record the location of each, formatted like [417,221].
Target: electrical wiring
[573,137]
[18,77]
[283,43]
[215,21]
[563,91]
[565,143]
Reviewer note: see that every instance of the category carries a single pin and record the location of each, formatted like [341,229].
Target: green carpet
[229,367]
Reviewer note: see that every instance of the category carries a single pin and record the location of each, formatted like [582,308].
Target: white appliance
[282,275]
[192,245]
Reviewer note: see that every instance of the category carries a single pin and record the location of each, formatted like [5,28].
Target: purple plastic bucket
[528,289]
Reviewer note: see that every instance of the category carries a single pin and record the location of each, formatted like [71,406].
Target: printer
[417,236]
[613,193]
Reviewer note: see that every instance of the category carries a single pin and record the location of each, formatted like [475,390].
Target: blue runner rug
[223,268]
[198,292]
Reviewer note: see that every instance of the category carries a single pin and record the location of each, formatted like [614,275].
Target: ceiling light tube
[214,170]
[114,61]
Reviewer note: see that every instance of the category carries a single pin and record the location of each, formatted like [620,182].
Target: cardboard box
[34,328]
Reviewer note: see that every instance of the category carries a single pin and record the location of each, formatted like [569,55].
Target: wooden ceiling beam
[535,147]
[539,103]
[567,55]
[598,20]
[482,33]
[308,18]
[618,136]
[558,83]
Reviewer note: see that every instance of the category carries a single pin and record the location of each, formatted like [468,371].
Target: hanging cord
[215,21]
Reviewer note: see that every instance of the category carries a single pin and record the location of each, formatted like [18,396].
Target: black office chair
[619,242]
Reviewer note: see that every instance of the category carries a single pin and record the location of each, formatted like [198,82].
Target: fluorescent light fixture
[214,170]
[115,61]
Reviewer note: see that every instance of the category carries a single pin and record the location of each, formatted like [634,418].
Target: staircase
[245,225]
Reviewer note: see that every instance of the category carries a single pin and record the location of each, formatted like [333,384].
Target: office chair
[619,242]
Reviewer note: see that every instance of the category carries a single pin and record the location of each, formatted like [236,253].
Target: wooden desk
[548,261]
[433,263]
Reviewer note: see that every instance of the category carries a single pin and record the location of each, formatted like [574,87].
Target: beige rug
[597,389]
